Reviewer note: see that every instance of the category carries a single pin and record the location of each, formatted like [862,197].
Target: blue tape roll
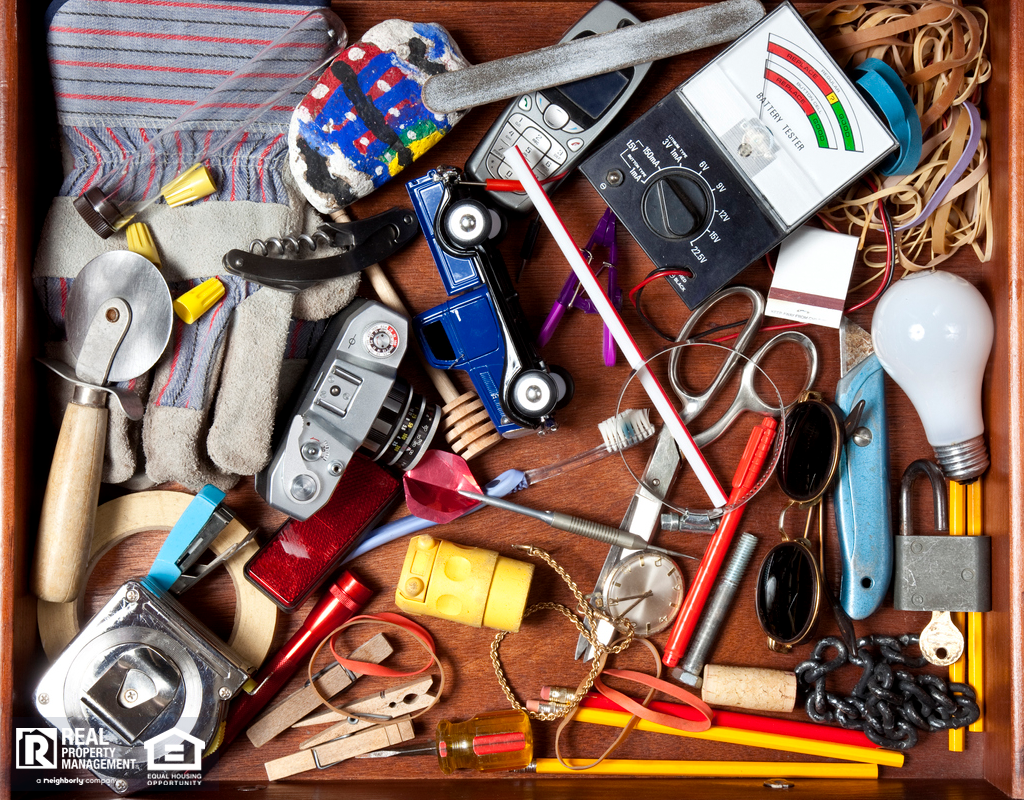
[888,97]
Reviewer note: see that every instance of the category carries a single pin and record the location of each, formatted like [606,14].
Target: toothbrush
[624,430]
[619,433]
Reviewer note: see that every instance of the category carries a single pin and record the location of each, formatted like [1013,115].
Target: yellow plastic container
[466,584]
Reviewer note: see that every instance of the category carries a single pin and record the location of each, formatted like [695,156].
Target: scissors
[645,508]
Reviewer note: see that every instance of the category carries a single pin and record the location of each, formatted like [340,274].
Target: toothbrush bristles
[626,429]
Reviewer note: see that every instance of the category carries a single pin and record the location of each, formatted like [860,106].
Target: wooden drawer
[542,652]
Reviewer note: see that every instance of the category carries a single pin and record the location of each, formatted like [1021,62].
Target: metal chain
[889,704]
[587,628]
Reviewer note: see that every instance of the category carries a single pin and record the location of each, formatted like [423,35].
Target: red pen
[343,599]
[742,482]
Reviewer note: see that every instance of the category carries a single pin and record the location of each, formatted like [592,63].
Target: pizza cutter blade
[118,322]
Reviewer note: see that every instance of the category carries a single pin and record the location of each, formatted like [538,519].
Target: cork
[753,688]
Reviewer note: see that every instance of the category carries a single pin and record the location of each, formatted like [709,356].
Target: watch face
[645,589]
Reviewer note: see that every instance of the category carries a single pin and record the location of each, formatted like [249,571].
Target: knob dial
[676,205]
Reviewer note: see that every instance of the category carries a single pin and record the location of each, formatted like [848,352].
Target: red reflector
[302,555]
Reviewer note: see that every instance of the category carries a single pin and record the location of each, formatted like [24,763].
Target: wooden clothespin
[330,682]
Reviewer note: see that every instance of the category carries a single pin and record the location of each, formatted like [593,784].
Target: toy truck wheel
[566,385]
[534,393]
[468,223]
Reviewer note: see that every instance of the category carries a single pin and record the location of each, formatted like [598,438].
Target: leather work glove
[119,78]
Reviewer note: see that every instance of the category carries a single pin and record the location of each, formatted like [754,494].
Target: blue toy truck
[481,328]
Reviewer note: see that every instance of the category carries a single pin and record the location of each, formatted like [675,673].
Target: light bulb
[932,333]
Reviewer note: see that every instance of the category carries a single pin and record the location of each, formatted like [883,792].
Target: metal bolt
[916,547]
[655,481]
[224,693]
[967,575]
[335,468]
[113,315]
[132,596]
[468,222]
[778,783]
[130,696]
[917,600]
[614,177]
[120,785]
[43,699]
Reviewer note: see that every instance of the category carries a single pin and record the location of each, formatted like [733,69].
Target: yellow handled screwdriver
[494,740]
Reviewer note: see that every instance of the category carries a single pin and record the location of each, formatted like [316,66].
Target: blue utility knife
[862,493]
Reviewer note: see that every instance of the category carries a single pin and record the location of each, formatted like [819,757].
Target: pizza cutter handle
[72,494]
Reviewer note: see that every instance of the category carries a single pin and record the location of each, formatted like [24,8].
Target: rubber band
[938,49]
[389,619]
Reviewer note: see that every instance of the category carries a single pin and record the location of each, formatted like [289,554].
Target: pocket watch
[646,589]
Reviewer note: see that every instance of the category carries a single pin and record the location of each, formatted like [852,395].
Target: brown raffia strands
[939,49]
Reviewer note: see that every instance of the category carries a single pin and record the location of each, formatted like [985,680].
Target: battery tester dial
[678,204]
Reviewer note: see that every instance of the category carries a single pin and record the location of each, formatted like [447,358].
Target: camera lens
[404,427]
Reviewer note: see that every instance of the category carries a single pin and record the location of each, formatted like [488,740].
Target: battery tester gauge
[740,155]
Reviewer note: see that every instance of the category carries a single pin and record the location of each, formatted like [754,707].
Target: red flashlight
[343,599]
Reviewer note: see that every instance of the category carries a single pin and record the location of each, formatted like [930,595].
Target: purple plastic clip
[569,297]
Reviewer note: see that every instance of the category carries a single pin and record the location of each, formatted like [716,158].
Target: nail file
[585,57]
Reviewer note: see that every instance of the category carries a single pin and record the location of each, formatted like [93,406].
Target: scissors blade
[641,518]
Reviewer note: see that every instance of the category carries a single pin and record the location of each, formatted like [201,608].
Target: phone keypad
[541,151]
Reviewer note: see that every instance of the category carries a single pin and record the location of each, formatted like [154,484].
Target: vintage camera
[352,400]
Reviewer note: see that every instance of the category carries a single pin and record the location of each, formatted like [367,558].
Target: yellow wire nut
[195,183]
[198,300]
[140,241]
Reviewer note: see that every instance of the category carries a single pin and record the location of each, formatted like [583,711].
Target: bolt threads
[741,558]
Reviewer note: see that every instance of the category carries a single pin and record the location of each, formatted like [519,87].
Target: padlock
[939,573]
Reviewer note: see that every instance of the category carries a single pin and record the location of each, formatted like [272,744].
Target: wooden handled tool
[118,322]
[467,427]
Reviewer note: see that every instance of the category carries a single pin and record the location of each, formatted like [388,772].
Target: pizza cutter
[118,322]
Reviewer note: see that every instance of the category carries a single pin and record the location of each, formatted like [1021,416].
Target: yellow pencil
[770,741]
[709,769]
[957,527]
[975,635]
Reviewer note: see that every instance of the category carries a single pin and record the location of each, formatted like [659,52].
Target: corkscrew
[272,262]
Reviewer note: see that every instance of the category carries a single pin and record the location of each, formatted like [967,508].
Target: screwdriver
[494,740]
[584,527]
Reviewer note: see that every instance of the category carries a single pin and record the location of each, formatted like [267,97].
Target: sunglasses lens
[787,590]
[807,462]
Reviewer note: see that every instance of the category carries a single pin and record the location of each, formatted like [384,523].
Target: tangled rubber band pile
[938,49]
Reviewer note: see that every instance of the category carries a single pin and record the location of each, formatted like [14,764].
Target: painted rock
[364,121]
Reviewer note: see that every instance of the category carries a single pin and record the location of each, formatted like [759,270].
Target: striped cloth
[123,70]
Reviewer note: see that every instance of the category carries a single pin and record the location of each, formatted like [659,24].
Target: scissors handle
[747,397]
[694,403]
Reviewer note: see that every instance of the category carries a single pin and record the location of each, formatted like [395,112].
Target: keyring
[726,421]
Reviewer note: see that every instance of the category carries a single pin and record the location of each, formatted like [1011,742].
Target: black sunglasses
[791,583]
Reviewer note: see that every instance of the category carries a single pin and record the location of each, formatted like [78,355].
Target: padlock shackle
[919,468]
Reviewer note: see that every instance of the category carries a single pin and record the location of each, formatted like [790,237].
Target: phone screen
[591,96]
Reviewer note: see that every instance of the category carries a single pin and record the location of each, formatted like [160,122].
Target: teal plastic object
[166,568]
[863,511]
[884,91]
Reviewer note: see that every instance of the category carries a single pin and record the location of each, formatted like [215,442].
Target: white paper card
[812,277]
